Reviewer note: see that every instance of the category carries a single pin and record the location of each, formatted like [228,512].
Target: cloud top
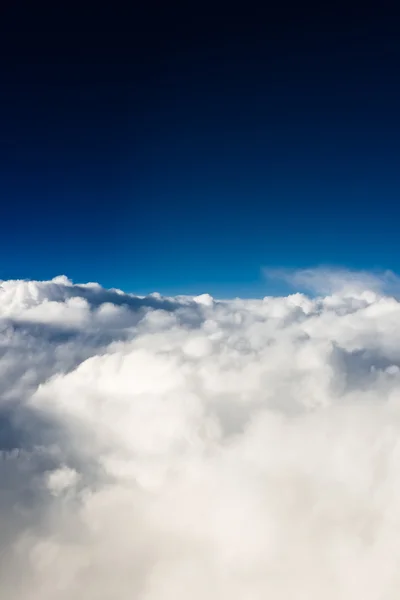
[164,448]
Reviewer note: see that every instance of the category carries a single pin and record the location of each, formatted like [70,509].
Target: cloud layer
[165,448]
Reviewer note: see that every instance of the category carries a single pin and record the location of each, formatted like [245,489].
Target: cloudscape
[163,448]
[200,301]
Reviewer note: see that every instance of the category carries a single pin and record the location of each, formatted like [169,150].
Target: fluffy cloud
[165,448]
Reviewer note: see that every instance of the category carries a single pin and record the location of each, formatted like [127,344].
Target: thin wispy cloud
[332,280]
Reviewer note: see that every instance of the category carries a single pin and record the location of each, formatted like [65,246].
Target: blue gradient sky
[183,153]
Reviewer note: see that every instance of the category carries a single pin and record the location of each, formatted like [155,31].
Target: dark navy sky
[183,151]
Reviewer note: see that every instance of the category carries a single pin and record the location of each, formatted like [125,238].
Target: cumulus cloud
[164,448]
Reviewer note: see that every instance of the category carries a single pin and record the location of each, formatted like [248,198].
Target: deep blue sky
[182,152]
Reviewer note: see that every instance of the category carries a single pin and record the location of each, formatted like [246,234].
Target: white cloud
[164,448]
[61,479]
[335,280]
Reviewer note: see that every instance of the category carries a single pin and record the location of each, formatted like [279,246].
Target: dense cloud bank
[171,448]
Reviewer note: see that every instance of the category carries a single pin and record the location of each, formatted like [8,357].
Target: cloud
[331,280]
[164,448]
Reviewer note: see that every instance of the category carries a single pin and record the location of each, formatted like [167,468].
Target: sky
[185,150]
